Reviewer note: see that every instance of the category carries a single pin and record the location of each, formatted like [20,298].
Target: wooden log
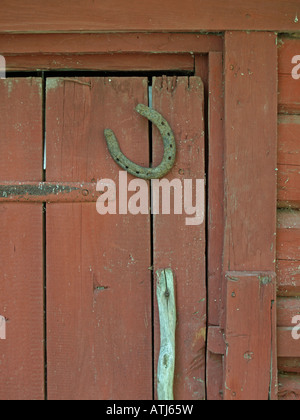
[167,325]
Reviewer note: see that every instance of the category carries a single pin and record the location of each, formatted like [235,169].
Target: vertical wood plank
[251,150]
[215,220]
[21,145]
[215,187]
[250,209]
[250,326]
[98,278]
[181,247]
[21,243]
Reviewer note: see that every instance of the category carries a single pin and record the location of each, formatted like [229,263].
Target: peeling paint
[53,83]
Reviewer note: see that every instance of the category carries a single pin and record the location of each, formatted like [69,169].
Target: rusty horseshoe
[169,147]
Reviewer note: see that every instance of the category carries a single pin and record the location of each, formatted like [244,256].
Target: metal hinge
[49,192]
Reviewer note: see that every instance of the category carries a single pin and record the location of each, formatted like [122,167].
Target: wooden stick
[167,318]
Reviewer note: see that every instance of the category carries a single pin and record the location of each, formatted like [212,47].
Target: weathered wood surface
[21,302]
[287,345]
[288,348]
[21,145]
[289,364]
[216,341]
[250,369]
[289,139]
[250,336]
[289,161]
[108,43]
[287,309]
[178,246]
[165,292]
[289,387]
[288,277]
[21,243]
[153,15]
[98,278]
[250,151]
[102,62]
[288,186]
[215,219]
[289,87]
[215,186]
[288,235]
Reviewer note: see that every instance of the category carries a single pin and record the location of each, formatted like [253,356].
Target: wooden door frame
[242,81]
[152,15]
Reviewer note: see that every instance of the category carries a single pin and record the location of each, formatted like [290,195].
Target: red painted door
[21,236]
[94,275]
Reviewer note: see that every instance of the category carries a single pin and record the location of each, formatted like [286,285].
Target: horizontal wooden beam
[289,186]
[54,43]
[289,139]
[288,235]
[289,364]
[288,278]
[287,309]
[289,160]
[287,346]
[102,62]
[151,15]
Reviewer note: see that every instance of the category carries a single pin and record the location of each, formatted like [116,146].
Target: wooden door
[21,230]
[78,288]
